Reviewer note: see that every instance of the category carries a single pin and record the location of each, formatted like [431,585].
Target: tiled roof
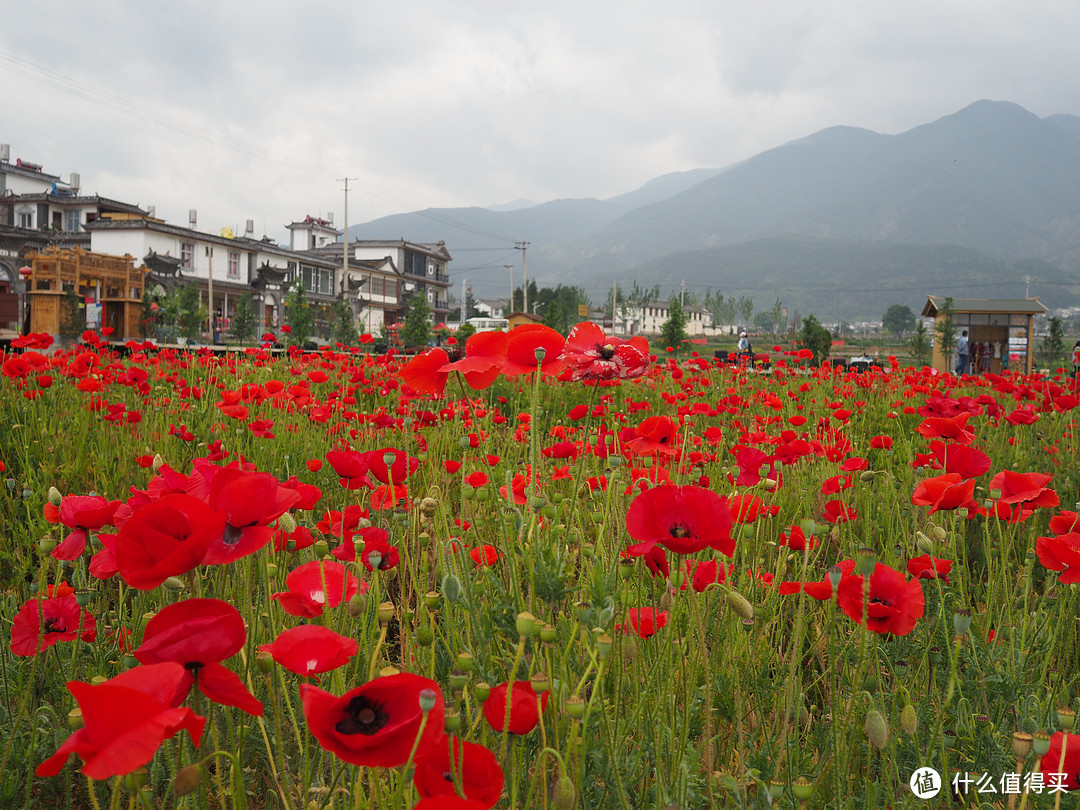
[1024,306]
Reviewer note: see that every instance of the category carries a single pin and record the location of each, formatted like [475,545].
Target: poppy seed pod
[865,561]
[803,789]
[575,706]
[961,622]
[481,691]
[1066,718]
[75,719]
[1040,743]
[525,624]
[386,612]
[1021,744]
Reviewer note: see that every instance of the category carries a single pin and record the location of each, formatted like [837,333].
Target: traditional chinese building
[108,291]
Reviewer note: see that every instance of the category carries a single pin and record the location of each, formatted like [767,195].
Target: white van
[489,324]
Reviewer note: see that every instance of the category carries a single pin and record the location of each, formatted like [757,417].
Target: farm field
[532,572]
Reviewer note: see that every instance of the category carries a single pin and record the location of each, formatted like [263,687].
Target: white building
[649,319]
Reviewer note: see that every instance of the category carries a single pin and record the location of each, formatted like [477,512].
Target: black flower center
[232,534]
[54,624]
[607,351]
[193,666]
[455,353]
[362,716]
[679,530]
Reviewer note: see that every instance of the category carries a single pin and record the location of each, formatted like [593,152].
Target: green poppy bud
[565,792]
[877,729]
[188,779]
[54,496]
[740,604]
[909,720]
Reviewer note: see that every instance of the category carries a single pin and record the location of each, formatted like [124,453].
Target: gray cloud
[254,109]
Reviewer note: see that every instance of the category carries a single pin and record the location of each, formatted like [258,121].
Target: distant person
[746,352]
[962,354]
[1076,359]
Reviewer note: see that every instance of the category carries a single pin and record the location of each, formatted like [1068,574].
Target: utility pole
[682,293]
[524,275]
[510,306]
[1027,286]
[464,310]
[345,239]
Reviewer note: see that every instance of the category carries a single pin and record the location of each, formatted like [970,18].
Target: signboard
[583,310]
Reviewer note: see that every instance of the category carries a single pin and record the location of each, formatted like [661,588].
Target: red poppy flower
[424,372]
[521,345]
[592,355]
[125,720]
[484,556]
[342,524]
[378,554]
[82,513]
[310,649]
[1065,522]
[479,770]
[706,573]
[1022,416]
[481,359]
[40,624]
[683,519]
[376,724]
[881,443]
[948,491]
[164,538]
[655,435]
[951,428]
[352,466]
[966,461]
[1058,553]
[750,461]
[1027,488]
[837,511]
[896,603]
[250,501]
[796,540]
[524,716]
[822,589]
[927,567]
[643,621]
[1070,770]
[317,585]
[199,634]
[448,802]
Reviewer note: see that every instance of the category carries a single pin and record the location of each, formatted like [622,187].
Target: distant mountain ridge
[992,180]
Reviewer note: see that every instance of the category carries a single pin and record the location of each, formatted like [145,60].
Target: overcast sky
[255,109]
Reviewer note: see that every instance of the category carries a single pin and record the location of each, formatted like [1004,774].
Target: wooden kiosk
[110,290]
[1001,332]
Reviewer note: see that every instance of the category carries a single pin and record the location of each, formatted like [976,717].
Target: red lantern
[26,272]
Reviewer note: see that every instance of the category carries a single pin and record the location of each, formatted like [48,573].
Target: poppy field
[532,571]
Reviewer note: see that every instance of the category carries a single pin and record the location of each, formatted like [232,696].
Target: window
[26,219]
[72,223]
[187,251]
[234,264]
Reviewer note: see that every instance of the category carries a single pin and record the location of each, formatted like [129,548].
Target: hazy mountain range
[842,223]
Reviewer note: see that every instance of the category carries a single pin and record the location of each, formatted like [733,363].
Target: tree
[673,332]
[298,315]
[746,307]
[243,319]
[920,344]
[779,322]
[416,332]
[190,312]
[343,327]
[899,320]
[1052,348]
[816,338]
[945,330]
